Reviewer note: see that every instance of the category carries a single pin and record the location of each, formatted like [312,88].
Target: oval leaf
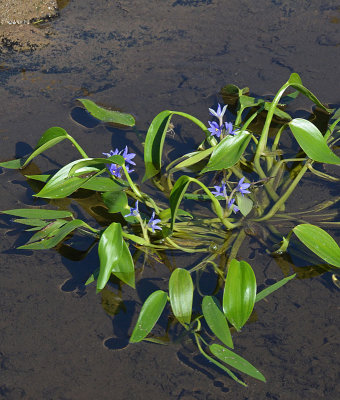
[107,115]
[116,202]
[239,293]
[312,142]
[319,242]
[216,320]
[245,204]
[109,249]
[231,358]
[124,268]
[228,152]
[181,290]
[176,196]
[149,315]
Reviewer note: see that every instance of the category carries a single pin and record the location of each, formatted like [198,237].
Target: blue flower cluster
[221,190]
[152,224]
[216,129]
[115,169]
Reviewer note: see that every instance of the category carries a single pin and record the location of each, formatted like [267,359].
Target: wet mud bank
[18,23]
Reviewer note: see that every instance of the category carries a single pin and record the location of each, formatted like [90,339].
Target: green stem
[77,146]
[285,196]
[236,247]
[132,185]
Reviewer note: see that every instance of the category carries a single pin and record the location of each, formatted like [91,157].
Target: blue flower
[219,112]
[152,224]
[231,204]
[115,169]
[229,129]
[134,212]
[215,129]
[242,187]
[220,190]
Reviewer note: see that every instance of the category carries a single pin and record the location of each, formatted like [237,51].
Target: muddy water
[57,342]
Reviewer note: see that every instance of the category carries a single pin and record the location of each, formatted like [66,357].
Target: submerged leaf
[236,361]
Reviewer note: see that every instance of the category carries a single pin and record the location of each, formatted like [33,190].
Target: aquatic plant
[245,177]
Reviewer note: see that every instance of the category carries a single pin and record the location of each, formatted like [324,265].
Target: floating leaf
[233,359]
[181,291]
[312,142]
[107,115]
[149,315]
[109,249]
[216,320]
[228,152]
[319,242]
[239,293]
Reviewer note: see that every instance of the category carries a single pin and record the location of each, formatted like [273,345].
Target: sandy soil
[17,18]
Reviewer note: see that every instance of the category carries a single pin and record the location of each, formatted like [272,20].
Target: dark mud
[56,341]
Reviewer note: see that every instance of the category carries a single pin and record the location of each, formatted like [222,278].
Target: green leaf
[267,291]
[92,277]
[181,290]
[245,204]
[80,165]
[38,213]
[193,159]
[40,178]
[216,320]
[47,231]
[176,196]
[100,184]
[107,115]
[154,142]
[31,222]
[312,142]
[58,237]
[116,202]
[110,249]
[228,152]
[50,138]
[124,268]
[234,360]
[178,192]
[14,164]
[149,315]
[165,215]
[296,83]
[60,185]
[239,293]
[319,242]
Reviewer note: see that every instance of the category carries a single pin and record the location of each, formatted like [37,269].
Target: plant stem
[77,146]
[285,196]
